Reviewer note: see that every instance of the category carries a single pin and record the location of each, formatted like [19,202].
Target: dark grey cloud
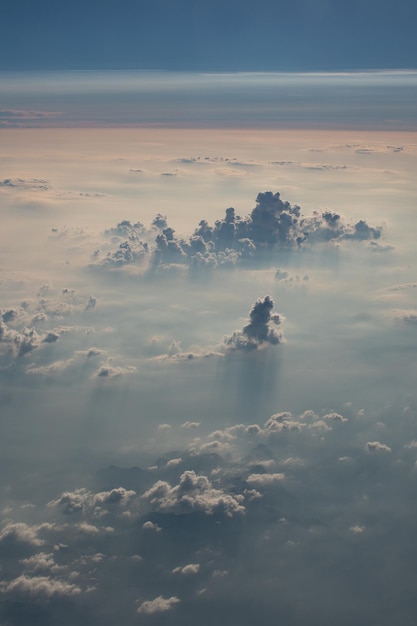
[261,329]
[91,303]
[51,336]
[273,226]
[9,315]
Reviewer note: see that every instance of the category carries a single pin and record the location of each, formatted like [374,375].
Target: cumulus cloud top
[158,605]
[21,533]
[82,500]
[260,481]
[273,225]
[39,587]
[261,329]
[187,570]
[377,446]
[192,494]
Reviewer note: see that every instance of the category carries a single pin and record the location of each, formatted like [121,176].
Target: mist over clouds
[208,407]
[380,100]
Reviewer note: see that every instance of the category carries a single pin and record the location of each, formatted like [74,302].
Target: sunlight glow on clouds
[208,402]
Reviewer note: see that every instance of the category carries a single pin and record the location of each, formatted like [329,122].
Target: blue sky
[301,35]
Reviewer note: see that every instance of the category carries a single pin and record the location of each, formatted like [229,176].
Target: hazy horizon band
[374,100]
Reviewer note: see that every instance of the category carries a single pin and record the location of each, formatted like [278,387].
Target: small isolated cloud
[174,462]
[158,605]
[357,529]
[188,425]
[106,372]
[91,303]
[188,570]
[151,526]
[281,275]
[285,277]
[377,446]
[265,480]
[25,183]
[261,329]
[335,417]
[375,246]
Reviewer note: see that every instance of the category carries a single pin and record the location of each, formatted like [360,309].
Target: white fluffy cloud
[260,481]
[158,605]
[187,570]
[38,587]
[193,493]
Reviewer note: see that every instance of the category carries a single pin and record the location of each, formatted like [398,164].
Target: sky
[208,313]
[220,35]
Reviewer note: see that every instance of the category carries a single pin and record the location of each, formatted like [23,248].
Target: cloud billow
[275,224]
[261,329]
[193,494]
[281,501]
[272,226]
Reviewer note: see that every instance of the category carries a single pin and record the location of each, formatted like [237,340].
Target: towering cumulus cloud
[261,329]
[273,225]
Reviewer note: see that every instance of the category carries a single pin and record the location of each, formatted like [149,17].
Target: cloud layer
[158,465]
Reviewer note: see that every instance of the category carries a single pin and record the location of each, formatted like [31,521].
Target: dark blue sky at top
[269,35]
